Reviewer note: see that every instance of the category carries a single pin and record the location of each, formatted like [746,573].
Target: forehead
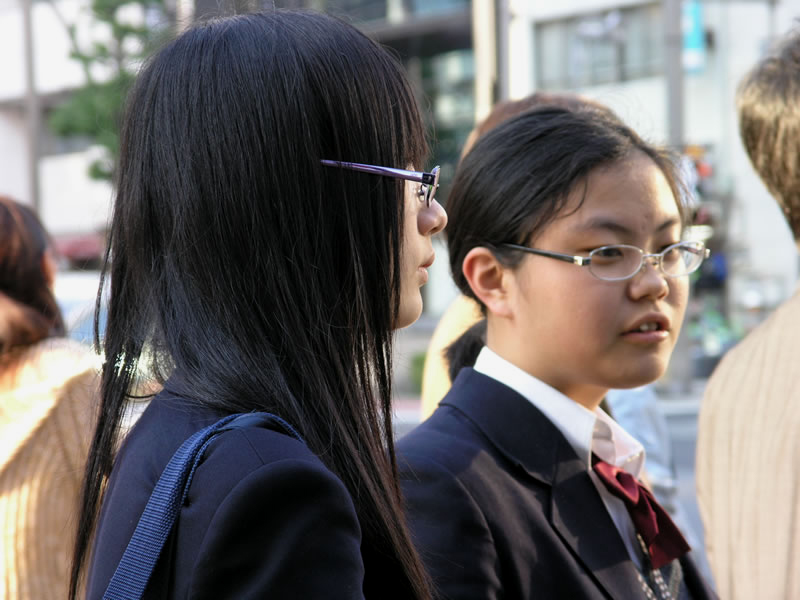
[631,197]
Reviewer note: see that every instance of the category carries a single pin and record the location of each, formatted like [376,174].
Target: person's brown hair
[28,310]
[506,109]
[768,103]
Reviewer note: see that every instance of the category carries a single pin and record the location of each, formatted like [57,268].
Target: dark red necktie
[661,536]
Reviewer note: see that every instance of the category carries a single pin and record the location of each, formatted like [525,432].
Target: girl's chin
[410,311]
[641,377]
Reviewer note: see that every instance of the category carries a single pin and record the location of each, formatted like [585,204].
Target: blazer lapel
[696,584]
[582,521]
[540,449]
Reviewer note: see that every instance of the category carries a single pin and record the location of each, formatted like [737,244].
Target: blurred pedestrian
[566,228]
[748,456]
[48,388]
[259,273]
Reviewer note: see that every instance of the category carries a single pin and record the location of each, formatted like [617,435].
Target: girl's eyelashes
[589,249]
[668,244]
[586,250]
[608,252]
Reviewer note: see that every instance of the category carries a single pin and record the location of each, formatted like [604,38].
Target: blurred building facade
[464,55]
[36,166]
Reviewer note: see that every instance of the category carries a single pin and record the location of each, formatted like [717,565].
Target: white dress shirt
[586,431]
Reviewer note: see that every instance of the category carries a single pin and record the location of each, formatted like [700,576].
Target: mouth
[422,270]
[651,327]
[645,327]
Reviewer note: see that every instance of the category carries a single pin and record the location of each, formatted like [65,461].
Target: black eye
[609,252]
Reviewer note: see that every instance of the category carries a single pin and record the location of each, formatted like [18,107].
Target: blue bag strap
[140,557]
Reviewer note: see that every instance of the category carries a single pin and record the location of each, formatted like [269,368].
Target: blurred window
[361,10]
[448,81]
[390,10]
[430,7]
[52,144]
[613,46]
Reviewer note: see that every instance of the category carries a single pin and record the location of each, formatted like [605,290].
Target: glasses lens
[682,259]
[430,191]
[615,262]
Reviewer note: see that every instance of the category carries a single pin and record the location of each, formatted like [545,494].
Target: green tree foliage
[122,33]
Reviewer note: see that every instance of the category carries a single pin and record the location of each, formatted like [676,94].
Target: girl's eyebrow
[617,227]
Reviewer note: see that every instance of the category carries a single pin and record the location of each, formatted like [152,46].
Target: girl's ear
[488,279]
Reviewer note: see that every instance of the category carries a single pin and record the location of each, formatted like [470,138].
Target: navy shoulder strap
[140,557]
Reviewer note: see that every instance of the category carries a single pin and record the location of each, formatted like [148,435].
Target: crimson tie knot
[661,536]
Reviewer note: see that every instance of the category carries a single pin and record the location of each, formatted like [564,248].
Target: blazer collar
[530,441]
[513,424]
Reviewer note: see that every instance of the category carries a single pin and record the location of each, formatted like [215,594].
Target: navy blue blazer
[264,518]
[500,505]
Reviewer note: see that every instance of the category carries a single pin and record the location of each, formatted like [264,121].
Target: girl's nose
[650,280]
[431,219]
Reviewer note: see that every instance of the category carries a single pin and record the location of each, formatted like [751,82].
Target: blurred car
[76,294]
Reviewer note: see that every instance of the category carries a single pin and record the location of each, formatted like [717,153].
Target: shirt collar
[586,431]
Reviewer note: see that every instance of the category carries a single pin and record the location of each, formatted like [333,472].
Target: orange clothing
[462,313]
[46,407]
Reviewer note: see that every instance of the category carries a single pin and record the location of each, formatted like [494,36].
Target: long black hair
[28,310]
[261,276]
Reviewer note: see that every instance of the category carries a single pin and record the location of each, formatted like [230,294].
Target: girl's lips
[646,338]
[429,262]
[423,269]
[657,328]
[423,275]
[658,320]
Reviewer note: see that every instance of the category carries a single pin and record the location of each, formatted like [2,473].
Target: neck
[524,355]
[589,397]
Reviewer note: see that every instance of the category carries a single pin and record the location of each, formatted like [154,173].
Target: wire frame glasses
[429,182]
[618,262]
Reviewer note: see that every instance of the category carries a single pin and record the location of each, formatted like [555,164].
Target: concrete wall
[13,154]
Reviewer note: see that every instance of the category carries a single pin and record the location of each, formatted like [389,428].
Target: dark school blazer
[264,519]
[500,505]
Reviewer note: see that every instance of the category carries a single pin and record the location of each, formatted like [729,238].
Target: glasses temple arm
[419,177]
[581,261]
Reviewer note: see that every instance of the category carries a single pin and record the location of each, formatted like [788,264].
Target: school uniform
[503,503]
[264,517]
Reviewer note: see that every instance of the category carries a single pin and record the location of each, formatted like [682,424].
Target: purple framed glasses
[428,181]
